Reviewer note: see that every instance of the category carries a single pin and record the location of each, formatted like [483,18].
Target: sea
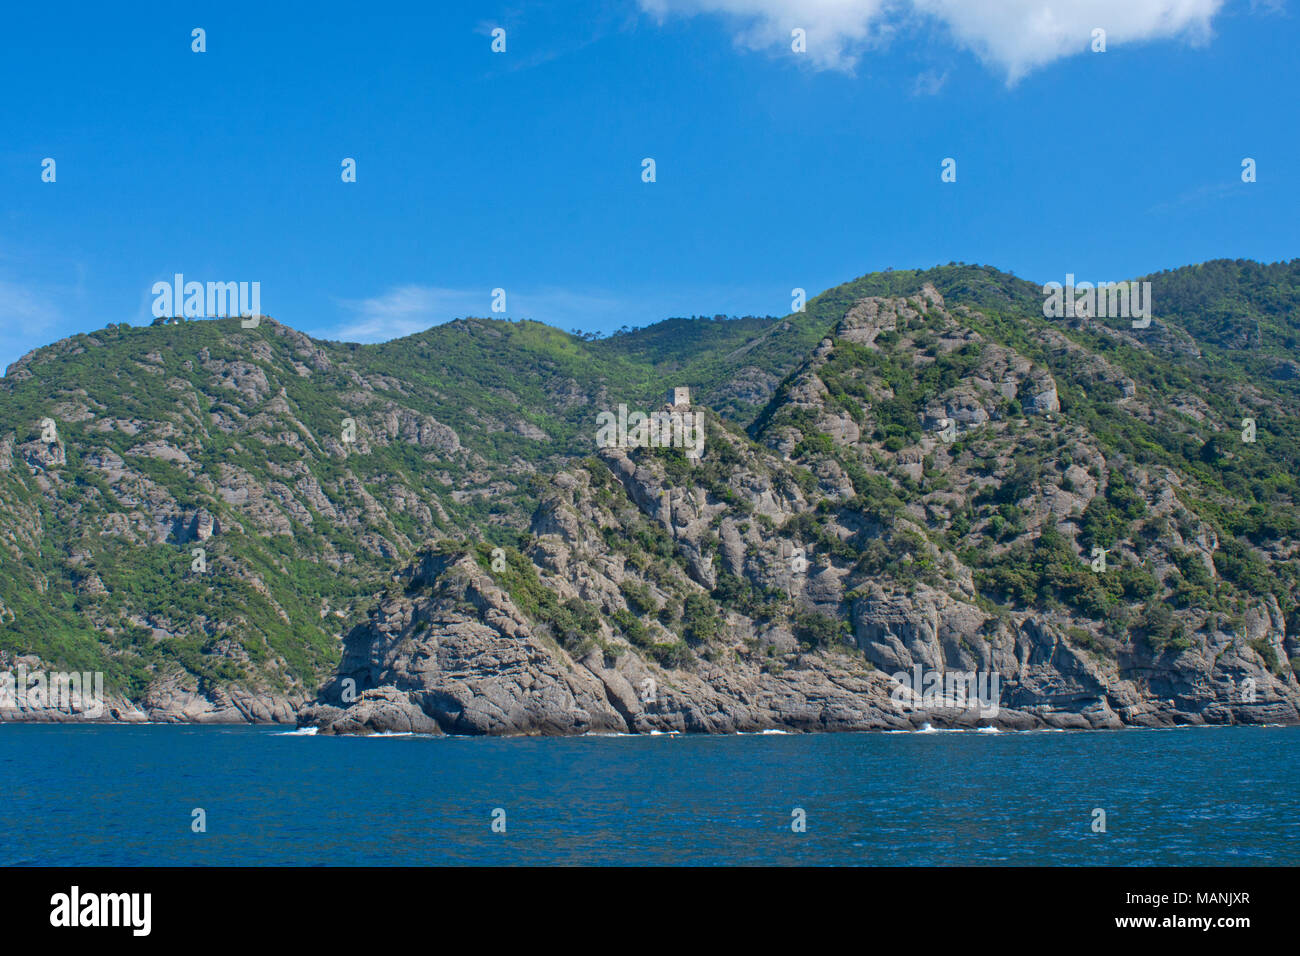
[170,795]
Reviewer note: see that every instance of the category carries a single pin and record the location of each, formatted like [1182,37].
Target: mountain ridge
[825,437]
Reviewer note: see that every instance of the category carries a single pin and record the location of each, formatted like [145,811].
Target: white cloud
[1011,36]
[838,31]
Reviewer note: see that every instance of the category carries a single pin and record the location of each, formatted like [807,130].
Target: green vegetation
[461,429]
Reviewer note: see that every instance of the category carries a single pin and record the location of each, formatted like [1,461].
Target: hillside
[248,524]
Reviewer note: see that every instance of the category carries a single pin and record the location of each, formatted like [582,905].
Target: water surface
[124,795]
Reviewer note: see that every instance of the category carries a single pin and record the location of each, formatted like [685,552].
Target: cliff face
[681,604]
[896,492]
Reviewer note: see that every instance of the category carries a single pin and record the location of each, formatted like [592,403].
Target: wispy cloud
[20,305]
[27,315]
[543,32]
[1201,195]
[407,309]
[1013,37]
[929,83]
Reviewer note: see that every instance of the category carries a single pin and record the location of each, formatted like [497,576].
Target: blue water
[123,795]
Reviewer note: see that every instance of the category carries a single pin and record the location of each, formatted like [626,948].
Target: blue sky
[522,170]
